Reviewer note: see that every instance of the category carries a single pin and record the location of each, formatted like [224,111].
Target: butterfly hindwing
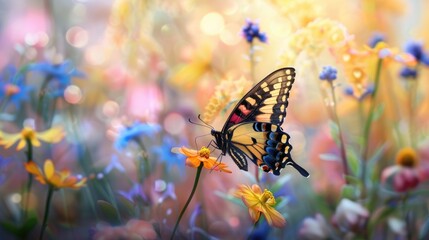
[266,102]
[265,144]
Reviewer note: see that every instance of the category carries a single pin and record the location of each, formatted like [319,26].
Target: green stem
[45,217]
[368,123]
[197,177]
[142,158]
[30,177]
[340,132]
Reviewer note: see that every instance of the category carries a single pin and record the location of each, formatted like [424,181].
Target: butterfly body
[253,129]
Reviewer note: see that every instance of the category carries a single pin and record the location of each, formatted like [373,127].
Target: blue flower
[12,86]
[134,132]
[368,91]
[376,38]
[58,75]
[114,164]
[415,48]
[251,31]
[4,162]
[408,73]
[164,154]
[169,192]
[328,73]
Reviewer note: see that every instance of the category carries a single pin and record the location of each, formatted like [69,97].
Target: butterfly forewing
[266,102]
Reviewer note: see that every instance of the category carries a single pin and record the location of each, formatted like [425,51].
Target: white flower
[314,228]
[350,216]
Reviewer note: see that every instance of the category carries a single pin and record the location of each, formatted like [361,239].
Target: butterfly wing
[265,144]
[265,102]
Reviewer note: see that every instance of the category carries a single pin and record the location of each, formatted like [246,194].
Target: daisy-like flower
[195,158]
[260,202]
[28,134]
[52,177]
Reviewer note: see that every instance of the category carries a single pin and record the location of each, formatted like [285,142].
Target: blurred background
[122,78]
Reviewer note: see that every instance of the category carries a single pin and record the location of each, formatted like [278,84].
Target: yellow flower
[195,158]
[52,135]
[260,202]
[56,179]
[407,157]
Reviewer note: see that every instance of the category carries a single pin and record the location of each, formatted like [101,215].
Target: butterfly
[253,129]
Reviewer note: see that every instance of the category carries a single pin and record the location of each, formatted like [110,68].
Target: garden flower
[408,73]
[62,72]
[361,93]
[12,87]
[350,216]
[376,38]
[314,228]
[133,132]
[195,158]
[415,48]
[407,157]
[29,135]
[328,73]
[114,164]
[164,154]
[52,177]
[251,31]
[135,194]
[259,203]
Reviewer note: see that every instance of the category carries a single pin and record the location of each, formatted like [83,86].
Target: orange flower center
[28,133]
[11,89]
[267,197]
[204,152]
[407,157]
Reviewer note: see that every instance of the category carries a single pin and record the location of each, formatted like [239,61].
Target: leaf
[109,213]
[23,230]
[372,163]
[353,160]
[348,191]
[329,157]
[334,132]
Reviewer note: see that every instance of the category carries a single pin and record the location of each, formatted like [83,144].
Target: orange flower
[195,158]
[56,179]
[52,135]
[260,202]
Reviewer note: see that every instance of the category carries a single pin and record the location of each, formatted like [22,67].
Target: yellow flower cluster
[28,134]
[316,36]
[226,92]
[299,12]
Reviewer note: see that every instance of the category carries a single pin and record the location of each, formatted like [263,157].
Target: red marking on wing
[235,118]
[244,110]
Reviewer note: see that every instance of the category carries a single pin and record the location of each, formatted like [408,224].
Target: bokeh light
[174,123]
[212,23]
[77,37]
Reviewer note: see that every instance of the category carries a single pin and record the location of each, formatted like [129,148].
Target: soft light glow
[15,198]
[111,109]
[73,94]
[160,185]
[212,23]
[95,55]
[230,34]
[77,37]
[174,123]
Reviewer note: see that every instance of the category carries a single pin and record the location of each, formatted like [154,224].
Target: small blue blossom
[12,86]
[328,73]
[164,154]
[408,73]
[58,75]
[251,31]
[415,48]
[376,38]
[368,91]
[134,132]
[169,192]
[114,164]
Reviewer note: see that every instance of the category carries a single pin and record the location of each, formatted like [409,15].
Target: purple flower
[408,73]
[328,73]
[368,91]
[415,48]
[135,194]
[251,31]
[114,164]
[376,38]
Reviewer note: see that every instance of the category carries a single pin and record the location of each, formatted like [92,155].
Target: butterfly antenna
[199,124]
[196,145]
[208,125]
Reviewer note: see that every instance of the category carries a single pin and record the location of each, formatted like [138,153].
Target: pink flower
[314,228]
[350,216]
[134,229]
[401,179]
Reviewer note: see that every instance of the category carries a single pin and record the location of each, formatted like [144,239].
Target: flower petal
[49,169]
[52,135]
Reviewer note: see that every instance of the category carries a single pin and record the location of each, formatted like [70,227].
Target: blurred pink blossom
[314,228]
[144,101]
[350,216]
[401,179]
[134,229]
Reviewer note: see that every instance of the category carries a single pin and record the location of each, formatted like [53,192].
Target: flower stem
[45,217]
[367,127]
[142,162]
[30,177]
[255,225]
[340,132]
[197,177]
